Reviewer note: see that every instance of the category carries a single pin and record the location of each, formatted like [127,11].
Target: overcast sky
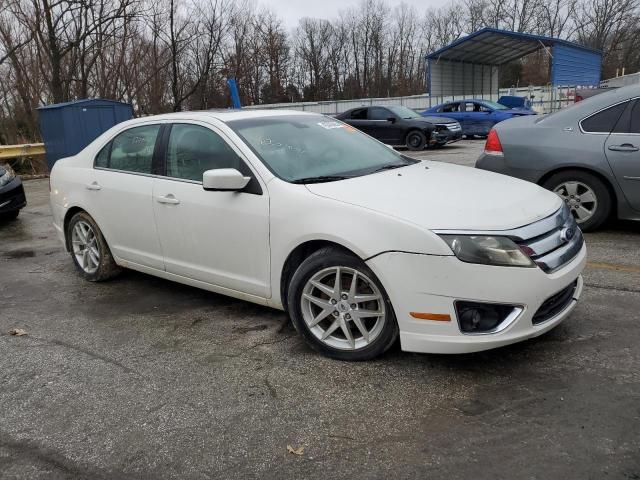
[293,10]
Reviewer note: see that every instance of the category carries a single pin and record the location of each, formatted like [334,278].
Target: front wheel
[416,140]
[340,308]
[89,249]
[586,196]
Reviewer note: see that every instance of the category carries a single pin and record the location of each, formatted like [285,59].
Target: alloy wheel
[580,198]
[343,308]
[85,247]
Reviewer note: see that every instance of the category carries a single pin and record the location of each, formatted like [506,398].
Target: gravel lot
[143,378]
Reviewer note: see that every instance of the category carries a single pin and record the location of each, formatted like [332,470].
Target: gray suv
[588,153]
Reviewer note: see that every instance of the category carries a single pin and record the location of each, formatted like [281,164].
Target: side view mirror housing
[224,180]
[391,119]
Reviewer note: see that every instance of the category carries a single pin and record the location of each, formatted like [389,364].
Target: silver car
[588,153]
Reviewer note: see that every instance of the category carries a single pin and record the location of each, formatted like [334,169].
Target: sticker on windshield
[331,125]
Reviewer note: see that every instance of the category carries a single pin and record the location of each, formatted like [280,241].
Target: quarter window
[130,151]
[635,118]
[193,149]
[604,121]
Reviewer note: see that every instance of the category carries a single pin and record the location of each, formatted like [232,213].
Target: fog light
[474,317]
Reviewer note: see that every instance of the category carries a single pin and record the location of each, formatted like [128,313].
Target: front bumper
[428,283]
[12,196]
[447,136]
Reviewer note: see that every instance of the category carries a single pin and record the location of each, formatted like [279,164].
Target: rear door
[119,195]
[358,118]
[622,149]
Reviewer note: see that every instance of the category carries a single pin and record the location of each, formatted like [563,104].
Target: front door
[622,149]
[383,128]
[221,238]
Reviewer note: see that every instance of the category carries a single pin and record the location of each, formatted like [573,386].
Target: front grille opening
[476,317]
[555,304]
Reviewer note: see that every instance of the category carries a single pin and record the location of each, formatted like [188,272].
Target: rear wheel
[340,308]
[89,250]
[586,196]
[416,140]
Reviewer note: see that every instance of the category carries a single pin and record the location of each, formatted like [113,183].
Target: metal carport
[469,67]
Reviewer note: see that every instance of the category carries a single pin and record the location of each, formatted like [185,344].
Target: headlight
[6,175]
[487,250]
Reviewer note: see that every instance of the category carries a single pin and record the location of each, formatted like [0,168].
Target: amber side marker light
[438,317]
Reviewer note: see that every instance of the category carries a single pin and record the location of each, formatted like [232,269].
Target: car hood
[439,120]
[449,197]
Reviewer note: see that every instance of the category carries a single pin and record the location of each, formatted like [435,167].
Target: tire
[334,313]
[89,250]
[415,140]
[586,195]
[8,216]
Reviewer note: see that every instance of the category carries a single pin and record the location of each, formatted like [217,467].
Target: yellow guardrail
[17,151]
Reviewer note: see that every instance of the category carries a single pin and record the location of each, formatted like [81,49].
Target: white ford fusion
[358,243]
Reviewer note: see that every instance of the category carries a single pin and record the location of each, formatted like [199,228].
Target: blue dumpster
[67,128]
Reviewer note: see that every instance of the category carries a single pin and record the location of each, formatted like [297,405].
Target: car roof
[222,115]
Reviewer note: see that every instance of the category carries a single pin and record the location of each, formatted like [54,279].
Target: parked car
[12,197]
[476,117]
[398,125]
[296,211]
[513,101]
[588,153]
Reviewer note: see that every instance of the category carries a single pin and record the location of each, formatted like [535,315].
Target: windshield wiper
[320,179]
[390,167]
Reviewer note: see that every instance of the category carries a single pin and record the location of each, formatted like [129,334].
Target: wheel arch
[298,255]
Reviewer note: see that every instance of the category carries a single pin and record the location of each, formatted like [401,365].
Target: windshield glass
[495,105]
[300,147]
[404,112]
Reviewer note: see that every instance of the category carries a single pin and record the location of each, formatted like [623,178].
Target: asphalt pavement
[142,378]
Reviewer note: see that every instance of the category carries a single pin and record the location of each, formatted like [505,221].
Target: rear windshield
[295,147]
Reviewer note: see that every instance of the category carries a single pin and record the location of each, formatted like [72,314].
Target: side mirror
[224,180]
[391,119]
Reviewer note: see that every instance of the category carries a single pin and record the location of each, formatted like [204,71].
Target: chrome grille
[556,244]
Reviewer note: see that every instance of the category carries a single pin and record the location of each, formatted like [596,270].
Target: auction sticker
[331,125]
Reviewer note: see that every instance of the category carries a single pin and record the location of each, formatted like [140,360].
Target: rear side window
[130,151]
[635,118]
[604,121]
[359,114]
[193,150]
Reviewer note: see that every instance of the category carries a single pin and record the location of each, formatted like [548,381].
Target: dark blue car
[476,117]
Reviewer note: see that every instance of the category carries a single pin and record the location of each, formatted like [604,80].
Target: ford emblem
[567,234]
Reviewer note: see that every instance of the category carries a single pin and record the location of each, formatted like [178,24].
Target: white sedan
[357,242]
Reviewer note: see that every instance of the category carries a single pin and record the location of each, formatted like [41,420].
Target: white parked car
[297,211]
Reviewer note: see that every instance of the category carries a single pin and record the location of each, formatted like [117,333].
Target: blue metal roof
[492,46]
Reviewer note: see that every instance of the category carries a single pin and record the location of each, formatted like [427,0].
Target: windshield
[404,112]
[304,148]
[495,105]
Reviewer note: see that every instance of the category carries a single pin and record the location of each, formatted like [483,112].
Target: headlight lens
[6,174]
[487,250]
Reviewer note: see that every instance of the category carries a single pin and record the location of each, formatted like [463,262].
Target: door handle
[93,186]
[168,199]
[625,147]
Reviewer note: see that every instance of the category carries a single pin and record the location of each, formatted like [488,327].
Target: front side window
[451,107]
[378,113]
[298,147]
[130,151]
[193,150]
[604,121]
